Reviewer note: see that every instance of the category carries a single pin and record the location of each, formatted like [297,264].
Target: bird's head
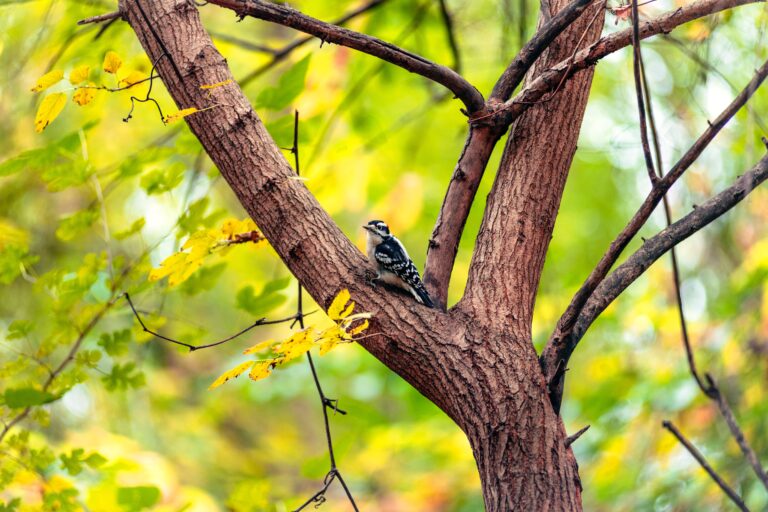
[377,230]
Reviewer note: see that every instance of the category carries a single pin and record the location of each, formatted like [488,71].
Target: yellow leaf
[217,84]
[259,347]
[181,114]
[360,328]
[48,80]
[49,109]
[230,226]
[348,311]
[358,316]
[337,306]
[112,62]
[231,374]
[331,337]
[79,74]
[84,95]
[295,346]
[131,78]
[262,369]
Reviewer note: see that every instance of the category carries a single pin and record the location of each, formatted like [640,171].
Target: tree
[475,360]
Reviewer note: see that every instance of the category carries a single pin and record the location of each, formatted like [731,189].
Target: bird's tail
[422,295]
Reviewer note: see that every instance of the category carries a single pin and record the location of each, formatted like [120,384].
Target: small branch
[192,348]
[329,33]
[556,347]
[637,66]
[715,394]
[101,18]
[572,438]
[515,72]
[705,465]
[450,34]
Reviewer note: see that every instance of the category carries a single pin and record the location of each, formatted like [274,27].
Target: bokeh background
[376,142]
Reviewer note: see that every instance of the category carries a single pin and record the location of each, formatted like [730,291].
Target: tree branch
[548,80]
[556,345]
[281,54]
[326,32]
[653,248]
[735,498]
[515,72]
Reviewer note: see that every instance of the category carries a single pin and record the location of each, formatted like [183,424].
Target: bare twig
[735,498]
[573,437]
[192,348]
[388,52]
[450,34]
[531,51]
[101,18]
[326,403]
[556,346]
[285,51]
[637,65]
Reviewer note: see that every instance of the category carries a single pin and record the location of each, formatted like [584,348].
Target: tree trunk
[477,361]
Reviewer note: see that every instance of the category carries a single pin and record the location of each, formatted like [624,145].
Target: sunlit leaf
[27,397]
[259,347]
[178,116]
[231,374]
[337,306]
[112,62]
[79,74]
[47,80]
[84,95]
[261,370]
[132,78]
[49,109]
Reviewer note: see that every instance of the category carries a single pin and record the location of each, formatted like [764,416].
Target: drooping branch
[550,79]
[735,498]
[653,248]
[284,15]
[557,346]
[515,72]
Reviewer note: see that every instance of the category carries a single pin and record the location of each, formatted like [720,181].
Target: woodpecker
[394,265]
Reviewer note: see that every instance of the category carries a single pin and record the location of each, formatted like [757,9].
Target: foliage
[92,207]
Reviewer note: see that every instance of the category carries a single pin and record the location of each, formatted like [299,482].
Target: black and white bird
[394,265]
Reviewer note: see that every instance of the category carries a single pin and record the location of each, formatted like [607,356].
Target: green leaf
[267,300]
[73,225]
[289,87]
[203,280]
[123,377]
[68,174]
[11,259]
[95,460]
[72,463]
[11,506]
[132,230]
[195,218]
[139,497]
[27,397]
[19,329]
[163,180]
[115,343]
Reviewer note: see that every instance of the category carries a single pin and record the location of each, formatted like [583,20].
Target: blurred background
[89,206]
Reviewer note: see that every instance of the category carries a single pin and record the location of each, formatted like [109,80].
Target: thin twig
[450,34]
[319,497]
[637,64]
[109,16]
[573,437]
[735,498]
[192,348]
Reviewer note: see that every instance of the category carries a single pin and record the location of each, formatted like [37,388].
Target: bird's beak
[367,228]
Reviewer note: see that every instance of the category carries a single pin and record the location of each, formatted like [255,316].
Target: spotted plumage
[394,265]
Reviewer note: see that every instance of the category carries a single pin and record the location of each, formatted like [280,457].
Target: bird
[392,262]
